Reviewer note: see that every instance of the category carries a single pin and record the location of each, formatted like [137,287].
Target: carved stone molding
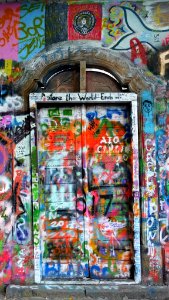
[72,52]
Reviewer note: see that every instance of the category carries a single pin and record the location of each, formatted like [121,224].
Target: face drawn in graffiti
[147,106]
[84,22]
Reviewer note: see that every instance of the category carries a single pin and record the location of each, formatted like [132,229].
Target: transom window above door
[66,79]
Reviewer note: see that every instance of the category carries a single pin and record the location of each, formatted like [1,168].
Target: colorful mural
[96,223]
[28,27]
[15,202]
[124,24]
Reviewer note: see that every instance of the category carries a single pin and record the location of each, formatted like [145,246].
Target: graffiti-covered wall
[137,31]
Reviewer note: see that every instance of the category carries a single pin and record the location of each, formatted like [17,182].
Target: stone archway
[70,53]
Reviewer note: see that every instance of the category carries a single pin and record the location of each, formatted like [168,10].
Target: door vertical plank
[83,76]
[136,194]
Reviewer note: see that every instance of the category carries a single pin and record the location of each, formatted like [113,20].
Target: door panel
[84,161]
[60,173]
[108,143]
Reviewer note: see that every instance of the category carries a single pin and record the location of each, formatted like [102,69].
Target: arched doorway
[105,255]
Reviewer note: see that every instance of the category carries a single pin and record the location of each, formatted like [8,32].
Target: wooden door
[85,190]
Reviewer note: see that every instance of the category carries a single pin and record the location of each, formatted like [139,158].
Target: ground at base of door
[84,292]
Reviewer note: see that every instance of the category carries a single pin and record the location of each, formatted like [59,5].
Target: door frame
[93,98]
